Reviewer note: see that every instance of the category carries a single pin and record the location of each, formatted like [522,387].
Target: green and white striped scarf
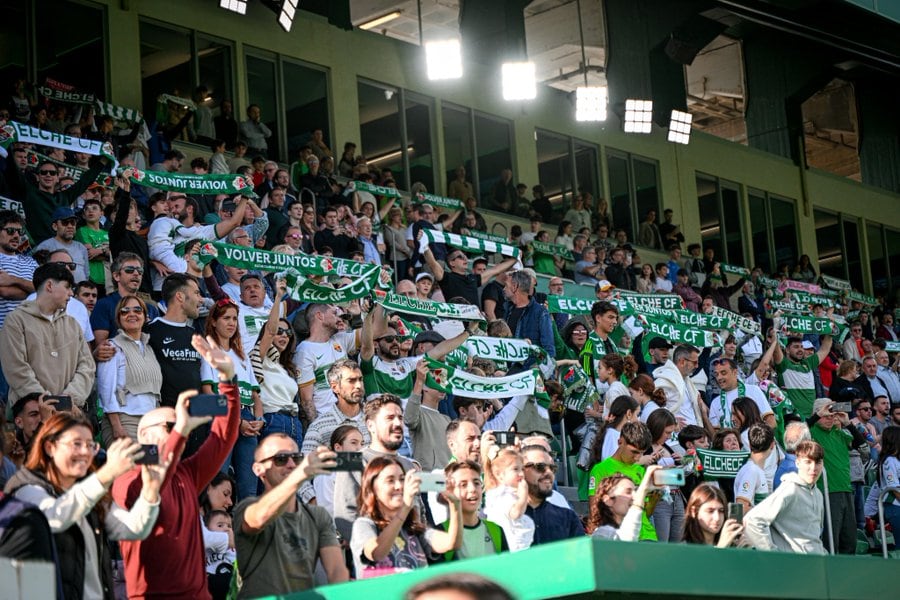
[467,243]
[836,284]
[428,308]
[440,201]
[374,189]
[458,382]
[209,184]
[552,250]
[721,464]
[119,113]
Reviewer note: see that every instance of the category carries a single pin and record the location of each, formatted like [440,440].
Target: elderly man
[889,374]
[682,398]
[871,382]
[526,318]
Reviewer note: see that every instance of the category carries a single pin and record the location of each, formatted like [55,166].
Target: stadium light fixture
[638,116]
[286,18]
[443,59]
[590,103]
[373,23]
[238,6]
[519,81]
[680,127]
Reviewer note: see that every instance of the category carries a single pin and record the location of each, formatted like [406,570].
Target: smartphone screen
[151,455]
[208,405]
[62,402]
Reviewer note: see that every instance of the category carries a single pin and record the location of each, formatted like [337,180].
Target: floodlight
[238,6]
[519,82]
[680,127]
[381,20]
[638,116]
[286,18]
[443,59]
[590,103]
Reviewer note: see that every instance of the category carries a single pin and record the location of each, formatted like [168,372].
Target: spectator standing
[63,222]
[648,234]
[455,280]
[96,242]
[127,274]
[795,372]
[526,318]
[226,126]
[254,132]
[682,397]
[503,194]
[16,269]
[340,239]
[551,522]
[618,506]
[794,433]
[427,425]
[460,188]
[751,485]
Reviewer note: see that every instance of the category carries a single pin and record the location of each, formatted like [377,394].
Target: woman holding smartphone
[617,506]
[705,520]
[388,533]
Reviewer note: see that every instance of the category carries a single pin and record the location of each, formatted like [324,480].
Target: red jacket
[171,562]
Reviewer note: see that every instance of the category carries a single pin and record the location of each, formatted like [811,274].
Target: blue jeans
[240,461]
[892,516]
[286,424]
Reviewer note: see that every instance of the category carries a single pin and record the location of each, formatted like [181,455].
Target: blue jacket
[535,325]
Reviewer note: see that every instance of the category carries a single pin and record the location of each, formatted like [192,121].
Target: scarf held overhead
[209,184]
[427,308]
[461,383]
[17,132]
[466,243]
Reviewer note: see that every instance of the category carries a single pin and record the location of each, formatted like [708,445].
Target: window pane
[457,144]
[586,164]
[620,205]
[418,133]
[12,40]
[216,67]
[261,85]
[731,218]
[165,66]
[492,137]
[759,231]
[828,244]
[305,107]
[710,219]
[646,189]
[877,262]
[784,232]
[70,46]
[893,249]
[851,245]
[555,172]
[379,124]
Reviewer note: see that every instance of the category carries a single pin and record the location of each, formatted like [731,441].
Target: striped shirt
[18,265]
[319,434]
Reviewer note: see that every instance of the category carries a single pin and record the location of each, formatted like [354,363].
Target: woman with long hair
[216,502]
[624,409]
[669,514]
[887,474]
[564,235]
[60,478]
[727,440]
[847,372]
[704,519]
[611,369]
[308,228]
[388,534]
[278,377]
[222,327]
[128,384]
[398,252]
[618,506]
[646,281]
[644,391]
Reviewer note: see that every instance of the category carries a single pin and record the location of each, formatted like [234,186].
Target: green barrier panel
[588,568]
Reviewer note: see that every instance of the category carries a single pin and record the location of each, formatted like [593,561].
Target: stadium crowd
[307,373]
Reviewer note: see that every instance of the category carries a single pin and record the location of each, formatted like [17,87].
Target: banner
[862,298]
[428,308]
[17,132]
[65,170]
[440,201]
[373,189]
[892,346]
[790,284]
[487,236]
[303,289]
[505,349]
[807,324]
[767,282]
[185,102]
[836,284]
[552,250]
[197,185]
[61,92]
[718,464]
[741,322]
[625,299]
[464,242]
[569,306]
[772,306]
[742,272]
[679,334]
[460,383]
[118,113]
[13,205]
[807,298]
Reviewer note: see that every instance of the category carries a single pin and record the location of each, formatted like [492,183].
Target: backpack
[11,508]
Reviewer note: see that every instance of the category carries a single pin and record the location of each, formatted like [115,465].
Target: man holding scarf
[726,373]
[682,398]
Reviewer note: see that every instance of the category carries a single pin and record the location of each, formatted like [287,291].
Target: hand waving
[215,356]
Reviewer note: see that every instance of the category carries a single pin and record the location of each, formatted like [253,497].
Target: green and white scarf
[487,236]
[458,382]
[772,306]
[892,346]
[467,243]
[836,284]
[726,407]
[807,298]
[807,324]
[13,205]
[303,289]
[17,132]
[428,308]
[680,334]
[65,170]
[209,184]
[721,464]
[862,298]
[61,95]
[767,282]
[185,102]
[552,250]
[505,349]
[742,272]
[569,306]
[440,201]
[118,113]
[625,299]
[741,322]
[373,189]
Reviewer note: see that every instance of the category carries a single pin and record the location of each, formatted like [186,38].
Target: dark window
[379,124]
[719,204]
[492,141]
[165,66]
[829,244]
[633,190]
[70,46]
[458,144]
[555,171]
[418,137]
[262,88]
[306,107]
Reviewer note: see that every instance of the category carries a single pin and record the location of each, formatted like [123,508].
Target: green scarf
[428,308]
[440,201]
[742,272]
[118,113]
[767,282]
[14,132]
[65,169]
[862,298]
[772,306]
[487,236]
[209,184]
[505,349]
[70,96]
[723,403]
[807,298]
[374,189]
[302,289]
[892,346]
[468,243]
[626,300]
[807,324]
[552,250]
[721,464]
[13,205]
[185,102]
[680,334]
[741,322]
[569,306]
[454,381]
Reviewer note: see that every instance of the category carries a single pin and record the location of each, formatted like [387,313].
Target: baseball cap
[424,337]
[480,259]
[421,276]
[658,343]
[603,286]
[62,212]
[807,345]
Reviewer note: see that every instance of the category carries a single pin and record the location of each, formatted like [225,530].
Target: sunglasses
[13,230]
[294,236]
[390,339]
[48,172]
[457,256]
[130,270]
[722,361]
[131,309]
[284,331]
[280,459]
[69,265]
[67,222]
[542,467]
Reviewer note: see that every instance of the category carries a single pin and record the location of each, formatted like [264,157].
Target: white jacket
[676,386]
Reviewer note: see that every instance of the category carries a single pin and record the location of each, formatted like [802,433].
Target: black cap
[658,343]
[424,337]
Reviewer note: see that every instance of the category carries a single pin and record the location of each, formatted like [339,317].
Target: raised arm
[433,265]
[223,228]
[447,346]
[495,270]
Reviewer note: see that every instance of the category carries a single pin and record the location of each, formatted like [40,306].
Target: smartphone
[844,407]
[151,455]
[736,511]
[349,461]
[433,482]
[668,477]
[62,402]
[208,405]
[505,438]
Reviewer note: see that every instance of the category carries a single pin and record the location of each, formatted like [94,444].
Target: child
[507,496]
[345,438]
[612,366]
[480,536]
[220,552]
[751,485]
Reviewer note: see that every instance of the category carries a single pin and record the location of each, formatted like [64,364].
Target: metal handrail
[831,549]
[881,498]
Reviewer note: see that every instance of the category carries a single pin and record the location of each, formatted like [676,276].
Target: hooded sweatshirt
[789,520]
[45,355]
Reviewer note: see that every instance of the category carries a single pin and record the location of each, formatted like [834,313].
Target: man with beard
[168,231]
[384,420]
[346,381]
[63,222]
[127,273]
[551,522]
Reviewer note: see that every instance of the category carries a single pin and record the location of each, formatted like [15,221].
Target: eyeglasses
[722,361]
[48,172]
[131,270]
[81,445]
[457,256]
[131,309]
[284,331]
[390,339]
[69,265]
[579,332]
[542,467]
[13,230]
[280,459]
